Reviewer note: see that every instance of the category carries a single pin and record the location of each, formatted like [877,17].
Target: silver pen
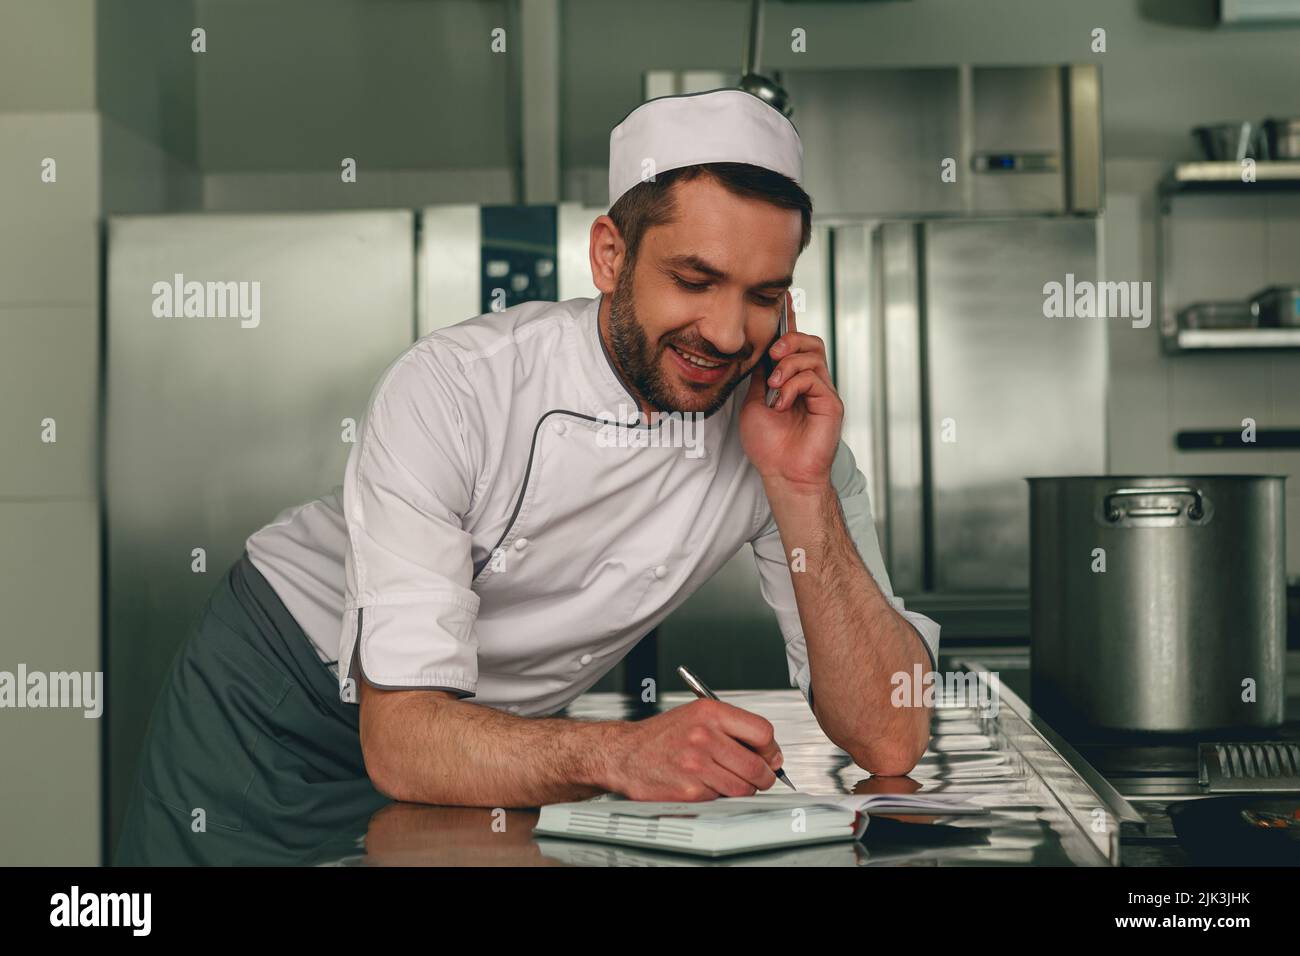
[697,685]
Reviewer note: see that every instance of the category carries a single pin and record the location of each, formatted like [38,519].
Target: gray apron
[250,757]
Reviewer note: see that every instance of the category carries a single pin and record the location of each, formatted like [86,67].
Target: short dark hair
[650,202]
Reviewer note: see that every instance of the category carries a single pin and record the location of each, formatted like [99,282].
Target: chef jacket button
[584,660]
[521,543]
[561,427]
[661,571]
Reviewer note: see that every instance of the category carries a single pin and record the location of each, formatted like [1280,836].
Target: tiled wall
[1222,248]
[115,151]
[49,320]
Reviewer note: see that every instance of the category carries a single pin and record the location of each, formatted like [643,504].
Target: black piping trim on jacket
[528,470]
[361,668]
[532,451]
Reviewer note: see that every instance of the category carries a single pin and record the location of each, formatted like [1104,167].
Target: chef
[493,552]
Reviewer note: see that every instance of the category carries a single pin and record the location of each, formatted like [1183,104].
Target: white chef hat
[719,126]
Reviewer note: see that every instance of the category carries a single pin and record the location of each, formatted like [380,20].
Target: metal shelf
[1186,340]
[1226,177]
[1214,178]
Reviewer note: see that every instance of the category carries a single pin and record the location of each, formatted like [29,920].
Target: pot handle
[1195,511]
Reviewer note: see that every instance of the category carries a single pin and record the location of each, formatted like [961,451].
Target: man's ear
[607,252]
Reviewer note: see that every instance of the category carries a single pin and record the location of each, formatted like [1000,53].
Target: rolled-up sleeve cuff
[428,644]
[801,677]
[926,629]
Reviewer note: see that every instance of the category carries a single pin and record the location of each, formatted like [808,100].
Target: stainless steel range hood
[1015,140]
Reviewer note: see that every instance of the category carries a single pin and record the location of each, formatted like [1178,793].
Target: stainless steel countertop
[1042,811]
[1150,771]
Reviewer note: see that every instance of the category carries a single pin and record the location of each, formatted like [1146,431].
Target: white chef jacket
[490,542]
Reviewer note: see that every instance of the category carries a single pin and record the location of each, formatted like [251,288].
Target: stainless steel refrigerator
[214,424]
[967,386]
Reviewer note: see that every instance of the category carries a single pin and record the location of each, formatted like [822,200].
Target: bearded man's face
[697,309]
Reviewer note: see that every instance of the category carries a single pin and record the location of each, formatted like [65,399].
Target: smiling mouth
[699,372]
[697,360]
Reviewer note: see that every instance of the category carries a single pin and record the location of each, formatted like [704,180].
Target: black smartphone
[782,327]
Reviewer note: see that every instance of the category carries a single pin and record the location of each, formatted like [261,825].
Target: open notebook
[736,824]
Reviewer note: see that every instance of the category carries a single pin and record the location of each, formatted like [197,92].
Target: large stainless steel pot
[1190,606]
